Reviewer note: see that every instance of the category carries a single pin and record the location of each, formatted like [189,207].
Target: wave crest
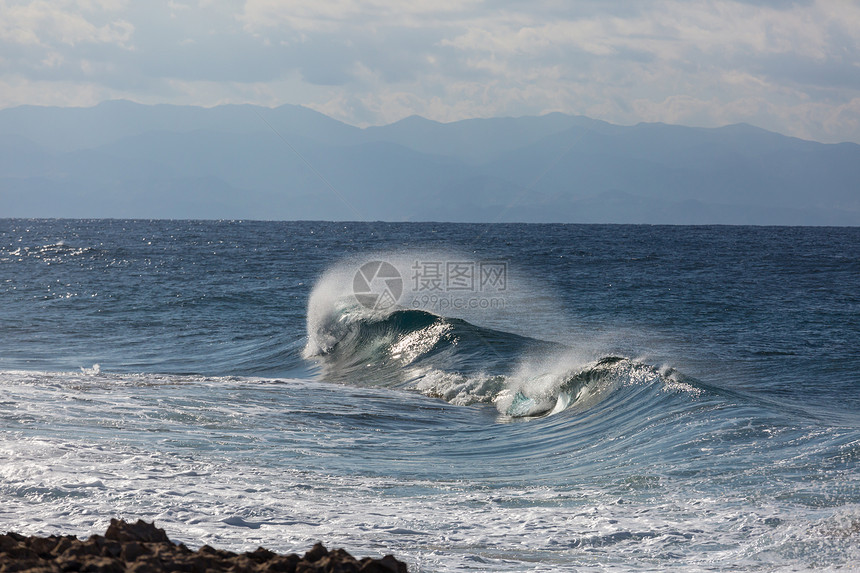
[460,362]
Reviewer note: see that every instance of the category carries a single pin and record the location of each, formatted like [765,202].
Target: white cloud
[23,91]
[332,15]
[790,66]
[60,22]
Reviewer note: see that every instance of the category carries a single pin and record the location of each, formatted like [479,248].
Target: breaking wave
[462,363]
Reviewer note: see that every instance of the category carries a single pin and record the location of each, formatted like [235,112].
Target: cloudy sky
[788,66]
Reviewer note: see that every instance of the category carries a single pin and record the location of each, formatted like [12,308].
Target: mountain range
[125,160]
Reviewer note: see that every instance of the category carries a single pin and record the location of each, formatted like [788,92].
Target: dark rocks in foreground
[143,548]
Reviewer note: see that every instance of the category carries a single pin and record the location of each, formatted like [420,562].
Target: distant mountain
[121,159]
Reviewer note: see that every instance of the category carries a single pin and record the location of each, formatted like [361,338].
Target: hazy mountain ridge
[121,159]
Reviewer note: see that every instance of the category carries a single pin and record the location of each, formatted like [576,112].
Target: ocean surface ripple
[628,397]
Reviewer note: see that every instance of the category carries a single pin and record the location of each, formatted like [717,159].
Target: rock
[132,550]
[316,553]
[103,565]
[79,549]
[43,546]
[387,564]
[140,531]
[63,543]
[143,567]
[143,548]
[261,555]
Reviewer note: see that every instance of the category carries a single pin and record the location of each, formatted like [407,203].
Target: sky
[787,66]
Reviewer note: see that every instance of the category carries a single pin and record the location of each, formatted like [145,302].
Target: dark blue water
[635,397]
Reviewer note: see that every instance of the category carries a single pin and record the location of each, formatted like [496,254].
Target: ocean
[467,397]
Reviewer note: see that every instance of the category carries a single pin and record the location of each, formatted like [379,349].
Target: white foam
[95,370]
[214,460]
[456,388]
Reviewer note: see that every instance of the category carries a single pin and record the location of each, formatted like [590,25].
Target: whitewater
[467,397]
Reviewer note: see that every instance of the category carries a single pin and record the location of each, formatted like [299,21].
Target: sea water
[467,397]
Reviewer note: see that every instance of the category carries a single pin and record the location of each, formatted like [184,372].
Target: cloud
[62,23]
[332,16]
[789,66]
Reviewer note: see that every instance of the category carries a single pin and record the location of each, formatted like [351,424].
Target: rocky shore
[143,548]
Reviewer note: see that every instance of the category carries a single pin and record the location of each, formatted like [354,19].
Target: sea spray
[359,342]
[206,418]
